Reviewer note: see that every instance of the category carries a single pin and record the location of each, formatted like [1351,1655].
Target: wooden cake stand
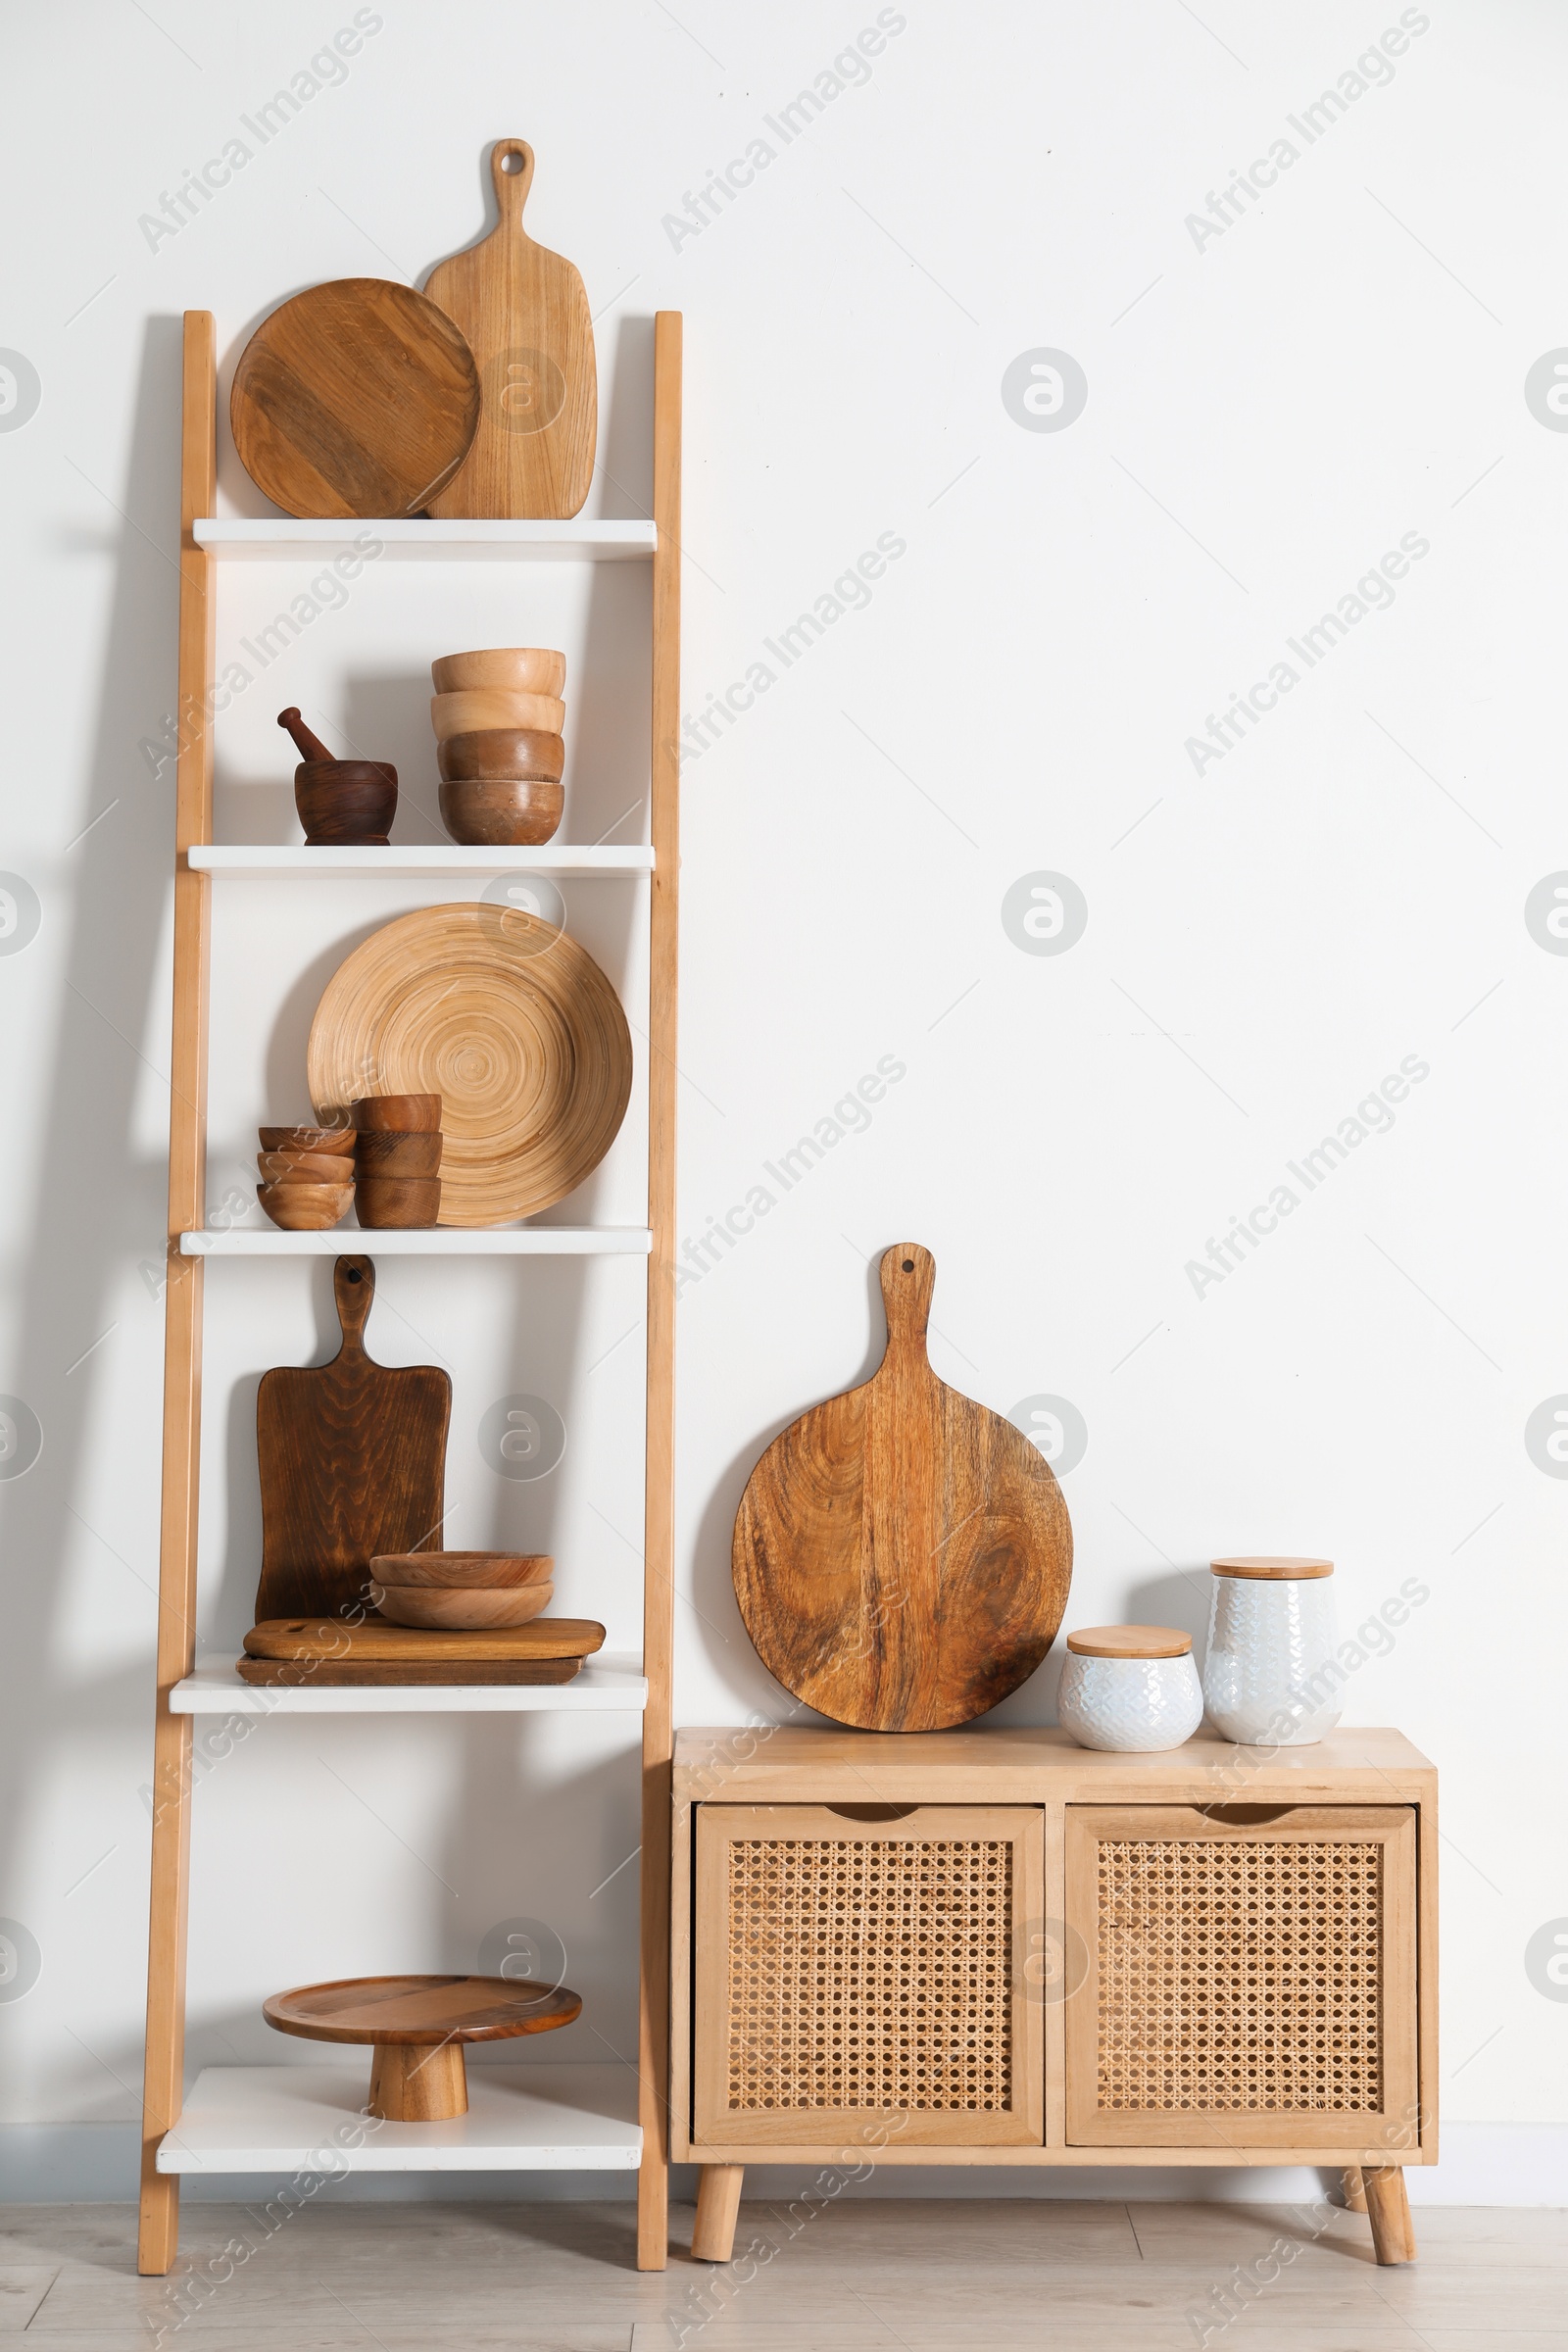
[418,2025]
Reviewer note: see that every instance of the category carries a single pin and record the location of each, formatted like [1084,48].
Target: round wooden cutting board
[901,1554]
[359,397]
[505,1017]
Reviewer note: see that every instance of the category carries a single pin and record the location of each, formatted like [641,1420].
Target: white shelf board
[283,538]
[281,862]
[607,1685]
[424,1240]
[280,2119]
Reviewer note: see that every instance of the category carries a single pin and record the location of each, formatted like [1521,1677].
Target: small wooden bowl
[507,668]
[398,1114]
[469,1571]
[494,810]
[304,1168]
[306,1139]
[305,1207]
[398,1200]
[506,752]
[343,801]
[483,707]
[388,1153]
[457,1609]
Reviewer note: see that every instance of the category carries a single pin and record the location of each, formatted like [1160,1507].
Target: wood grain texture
[352,1463]
[415,1674]
[477,710]
[463,1608]
[718,2205]
[414,2012]
[163,2067]
[471,1571]
[1129,1642]
[413,2086]
[659,1503]
[523,312]
[517,812]
[1388,2205]
[901,1554]
[358,397]
[509,668]
[303,1636]
[505,1017]
[504,753]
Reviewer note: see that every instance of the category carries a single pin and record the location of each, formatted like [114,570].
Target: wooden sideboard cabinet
[993,1946]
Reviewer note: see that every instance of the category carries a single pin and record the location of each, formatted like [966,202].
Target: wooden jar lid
[1129,1642]
[1273,1568]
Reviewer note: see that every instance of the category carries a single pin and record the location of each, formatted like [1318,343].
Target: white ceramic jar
[1270,1678]
[1130,1687]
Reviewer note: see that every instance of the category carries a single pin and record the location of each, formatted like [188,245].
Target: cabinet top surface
[754,1751]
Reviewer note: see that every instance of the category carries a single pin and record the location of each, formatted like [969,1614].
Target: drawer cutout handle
[873,1812]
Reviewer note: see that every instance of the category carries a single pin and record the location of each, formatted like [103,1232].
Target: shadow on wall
[100,1212]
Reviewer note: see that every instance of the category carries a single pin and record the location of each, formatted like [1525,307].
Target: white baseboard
[1483,2163]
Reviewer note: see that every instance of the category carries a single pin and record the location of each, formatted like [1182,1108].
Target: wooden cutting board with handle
[901,1554]
[523,313]
[352,1461]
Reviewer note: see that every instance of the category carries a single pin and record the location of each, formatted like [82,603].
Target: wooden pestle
[308,745]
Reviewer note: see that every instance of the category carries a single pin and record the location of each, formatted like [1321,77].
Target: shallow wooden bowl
[459,1609]
[306,1139]
[506,752]
[416,1154]
[391,1201]
[499,810]
[507,668]
[486,706]
[304,1168]
[470,1571]
[398,1114]
[305,1207]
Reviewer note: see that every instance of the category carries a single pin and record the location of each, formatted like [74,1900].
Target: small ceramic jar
[1130,1687]
[1270,1677]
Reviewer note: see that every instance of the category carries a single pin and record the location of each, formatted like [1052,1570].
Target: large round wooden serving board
[415,2011]
[511,1022]
[358,397]
[901,1554]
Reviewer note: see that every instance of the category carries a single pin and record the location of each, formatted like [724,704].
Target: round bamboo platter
[511,1022]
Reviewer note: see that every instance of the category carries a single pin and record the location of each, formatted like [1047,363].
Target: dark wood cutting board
[302,1651]
[358,397]
[523,313]
[901,1554]
[352,1462]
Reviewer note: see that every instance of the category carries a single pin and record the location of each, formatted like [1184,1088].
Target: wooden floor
[854,2275]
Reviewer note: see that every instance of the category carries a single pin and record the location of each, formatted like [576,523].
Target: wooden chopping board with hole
[352,1462]
[901,1554]
[358,397]
[523,313]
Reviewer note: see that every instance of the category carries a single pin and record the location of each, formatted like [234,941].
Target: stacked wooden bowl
[307,1176]
[397,1160]
[463,1592]
[498,716]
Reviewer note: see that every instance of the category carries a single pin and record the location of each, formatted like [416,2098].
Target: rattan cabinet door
[1249,1984]
[862,1982]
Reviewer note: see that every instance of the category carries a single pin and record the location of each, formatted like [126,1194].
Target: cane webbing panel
[871,1972]
[1241,1974]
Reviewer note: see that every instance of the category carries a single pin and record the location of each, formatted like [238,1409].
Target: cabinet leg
[1388,2206]
[1354,2189]
[718,2202]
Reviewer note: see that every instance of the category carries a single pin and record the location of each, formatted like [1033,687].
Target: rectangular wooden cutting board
[331,1654]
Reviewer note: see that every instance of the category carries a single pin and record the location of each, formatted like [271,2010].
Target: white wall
[1269,410]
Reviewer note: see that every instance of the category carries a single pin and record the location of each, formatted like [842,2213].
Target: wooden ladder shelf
[164,2092]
